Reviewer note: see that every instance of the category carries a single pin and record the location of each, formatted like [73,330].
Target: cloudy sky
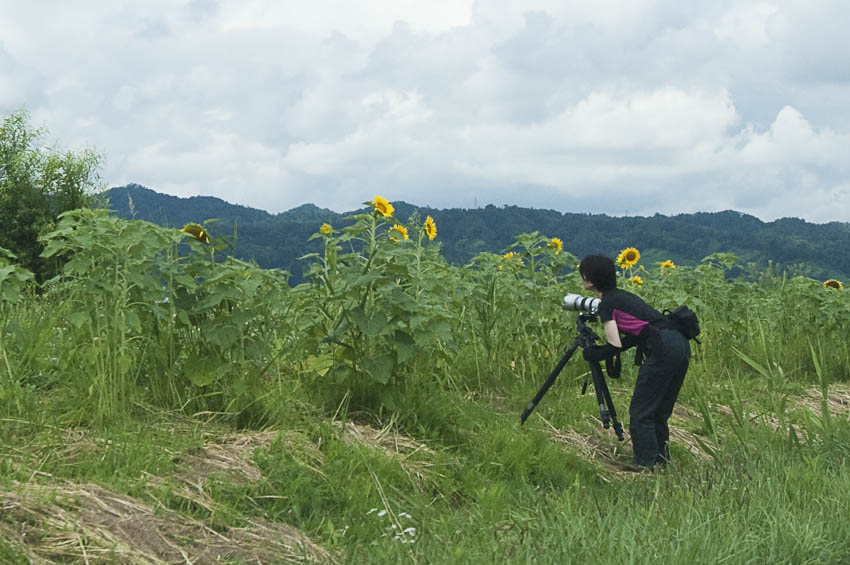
[627,107]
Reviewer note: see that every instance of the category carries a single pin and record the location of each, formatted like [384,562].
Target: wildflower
[637,280]
[197,231]
[668,264]
[832,283]
[628,258]
[400,230]
[556,244]
[383,207]
[430,228]
[326,229]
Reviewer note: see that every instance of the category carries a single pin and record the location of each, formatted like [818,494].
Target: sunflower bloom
[628,258]
[512,255]
[383,207]
[832,283]
[636,280]
[326,229]
[430,227]
[197,231]
[400,230]
[556,244]
[668,264]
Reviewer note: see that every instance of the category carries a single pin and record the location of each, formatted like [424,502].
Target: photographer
[663,354]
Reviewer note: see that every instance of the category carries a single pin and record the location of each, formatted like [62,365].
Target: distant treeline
[277,241]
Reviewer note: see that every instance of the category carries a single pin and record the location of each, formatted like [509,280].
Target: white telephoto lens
[579,303]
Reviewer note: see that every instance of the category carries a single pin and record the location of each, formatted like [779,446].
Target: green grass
[487,490]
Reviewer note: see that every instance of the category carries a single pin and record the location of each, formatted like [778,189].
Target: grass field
[163,403]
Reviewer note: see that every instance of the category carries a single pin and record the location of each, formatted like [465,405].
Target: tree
[37,184]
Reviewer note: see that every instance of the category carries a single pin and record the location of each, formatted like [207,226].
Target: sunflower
[832,283]
[512,255]
[430,228]
[383,207]
[197,231]
[556,244]
[628,258]
[326,229]
[637,280]
[400,230]
[668,264]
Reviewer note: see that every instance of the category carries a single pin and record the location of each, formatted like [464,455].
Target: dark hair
[600,271]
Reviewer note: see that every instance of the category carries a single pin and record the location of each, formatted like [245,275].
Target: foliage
[37,184]
[13,278]
[153,319]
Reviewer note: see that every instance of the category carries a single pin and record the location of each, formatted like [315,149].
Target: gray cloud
[616,107]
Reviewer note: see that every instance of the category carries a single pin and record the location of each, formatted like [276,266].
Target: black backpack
[685,320]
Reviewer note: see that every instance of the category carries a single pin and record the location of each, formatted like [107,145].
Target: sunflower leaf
[380,369]
[370,324]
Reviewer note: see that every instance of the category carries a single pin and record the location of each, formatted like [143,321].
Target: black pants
[658,383]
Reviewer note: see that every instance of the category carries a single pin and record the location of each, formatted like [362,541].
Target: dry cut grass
[228,458]
[86,523]
[64,522]
[394,445]
[615,457]
[837,400]
[61,522]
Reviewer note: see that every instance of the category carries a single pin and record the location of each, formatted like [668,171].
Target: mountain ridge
[277,240]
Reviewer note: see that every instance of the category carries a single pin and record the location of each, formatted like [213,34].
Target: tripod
[585,338]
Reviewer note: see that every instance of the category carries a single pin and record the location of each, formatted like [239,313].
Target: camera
[577,302]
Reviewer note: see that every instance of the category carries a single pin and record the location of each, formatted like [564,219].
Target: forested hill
[276,241]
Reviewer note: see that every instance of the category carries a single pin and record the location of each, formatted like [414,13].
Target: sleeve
[602,352]
[599,352]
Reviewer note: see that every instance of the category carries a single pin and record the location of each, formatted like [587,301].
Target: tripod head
[586,336]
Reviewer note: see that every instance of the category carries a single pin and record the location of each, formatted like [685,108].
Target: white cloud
[365,20]
[791,139]
[230,165]
[611,106]
[747,25]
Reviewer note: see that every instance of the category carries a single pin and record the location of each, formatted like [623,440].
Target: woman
[629,321]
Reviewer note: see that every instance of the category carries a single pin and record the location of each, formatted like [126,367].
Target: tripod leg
[603,396]
[558,368]
[618,427]
[599,387]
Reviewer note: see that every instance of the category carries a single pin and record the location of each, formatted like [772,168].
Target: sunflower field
[161,401]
